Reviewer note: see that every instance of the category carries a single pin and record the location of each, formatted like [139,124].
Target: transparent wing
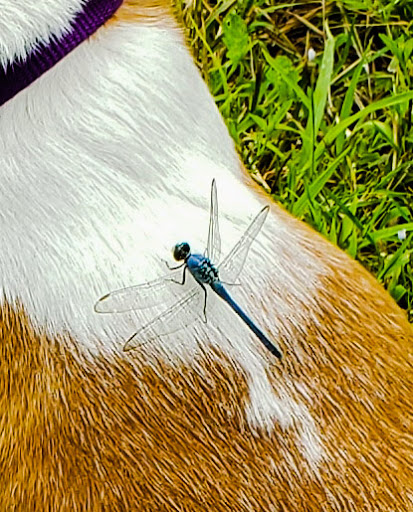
[231,266]
[162,290]
[213,249]
[177,317]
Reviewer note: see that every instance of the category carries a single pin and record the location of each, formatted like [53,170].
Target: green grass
[331,138]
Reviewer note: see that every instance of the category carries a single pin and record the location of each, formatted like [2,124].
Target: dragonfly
[188,305]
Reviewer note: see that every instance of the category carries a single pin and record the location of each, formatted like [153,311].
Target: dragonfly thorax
[202,269]
[181,251]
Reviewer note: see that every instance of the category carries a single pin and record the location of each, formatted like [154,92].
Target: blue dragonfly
[187,305]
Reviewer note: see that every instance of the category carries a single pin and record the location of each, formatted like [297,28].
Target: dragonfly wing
[177,317]
[162,290]
[233,263]
[213,250]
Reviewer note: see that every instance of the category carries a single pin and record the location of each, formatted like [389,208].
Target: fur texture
[23,25]
[106,162]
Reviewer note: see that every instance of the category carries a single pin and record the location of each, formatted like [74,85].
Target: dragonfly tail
[221,291]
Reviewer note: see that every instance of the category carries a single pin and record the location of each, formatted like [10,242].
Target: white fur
[267,406]
[107,161]
[23,25]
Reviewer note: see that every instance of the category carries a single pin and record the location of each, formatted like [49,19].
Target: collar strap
[19,74]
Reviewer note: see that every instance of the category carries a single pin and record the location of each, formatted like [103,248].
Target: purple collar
[20,74]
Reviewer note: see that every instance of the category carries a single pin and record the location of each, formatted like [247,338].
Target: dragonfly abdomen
[219,289]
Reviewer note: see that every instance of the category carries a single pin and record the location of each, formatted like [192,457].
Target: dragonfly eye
[181,251]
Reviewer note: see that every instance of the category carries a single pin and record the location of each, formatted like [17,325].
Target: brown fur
[121,434]
[160,11]
[101,435]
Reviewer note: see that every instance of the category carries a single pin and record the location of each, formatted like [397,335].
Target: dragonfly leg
[173,268]
[204,318]
[183,276]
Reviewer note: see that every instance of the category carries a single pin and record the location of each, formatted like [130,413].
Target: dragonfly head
[181,251]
